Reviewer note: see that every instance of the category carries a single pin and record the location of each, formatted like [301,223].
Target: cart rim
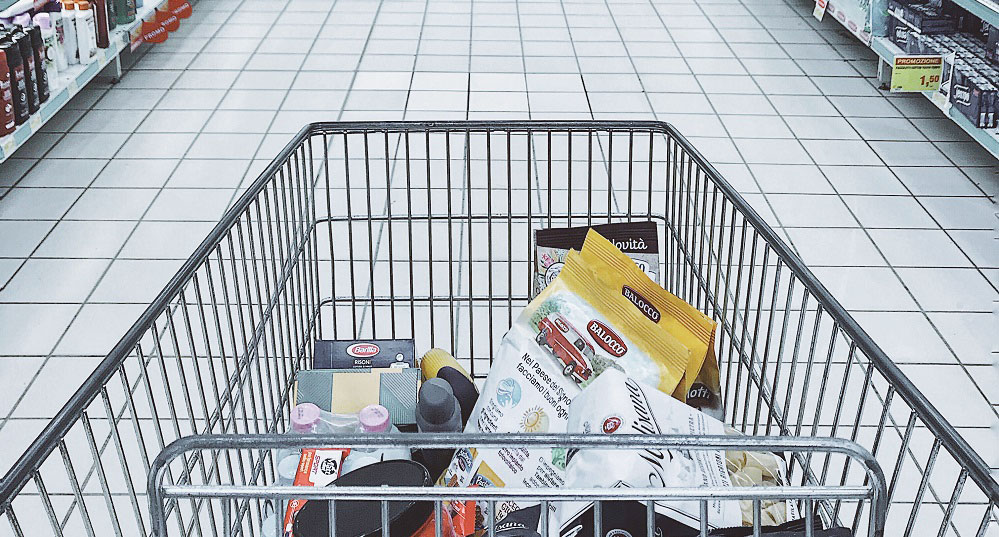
[39,449]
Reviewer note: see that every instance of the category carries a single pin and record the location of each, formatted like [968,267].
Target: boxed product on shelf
[974,96]
[900,34]
[924,18]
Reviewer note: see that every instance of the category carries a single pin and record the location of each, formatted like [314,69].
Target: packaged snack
[639,240]
[364,354]
[617,404]
[347,391]
[700,386]
[576,329]
[753,469]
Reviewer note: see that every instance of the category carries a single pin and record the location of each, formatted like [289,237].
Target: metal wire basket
[424,230]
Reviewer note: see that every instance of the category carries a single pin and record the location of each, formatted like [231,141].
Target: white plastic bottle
[51,44]
[72,49]
[86,32]
[374,419]
[60,32]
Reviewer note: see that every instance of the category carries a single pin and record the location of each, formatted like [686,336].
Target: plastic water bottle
[374,419]
[306,418]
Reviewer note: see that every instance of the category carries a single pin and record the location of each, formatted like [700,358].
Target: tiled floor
[884,197]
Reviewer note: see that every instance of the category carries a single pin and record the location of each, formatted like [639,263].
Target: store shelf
[988,138]
[987,11]
[76,78]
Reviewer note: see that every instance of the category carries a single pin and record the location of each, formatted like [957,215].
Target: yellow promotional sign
[916,73]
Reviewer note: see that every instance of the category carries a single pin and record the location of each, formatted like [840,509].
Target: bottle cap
[304,417]
[43,21]
[82,5]
[68,6]
[288,467]
[437,403]
[374,419]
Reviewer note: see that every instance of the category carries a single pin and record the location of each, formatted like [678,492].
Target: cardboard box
[345,391]
[364,354]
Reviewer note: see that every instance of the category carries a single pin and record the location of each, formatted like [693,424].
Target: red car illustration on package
[567,345]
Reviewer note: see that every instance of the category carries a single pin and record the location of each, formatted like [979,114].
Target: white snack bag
[617,404]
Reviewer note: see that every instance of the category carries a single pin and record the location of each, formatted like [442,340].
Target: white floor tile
[949,289]
[76,172]
[37,203]
[85,239]
[919,247]
[53,281]
[835,247]
[112,204]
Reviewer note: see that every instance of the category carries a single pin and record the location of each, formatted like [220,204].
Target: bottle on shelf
[53,51]
[100,9]
[125,10]
[374,419]
[18,84]
[28,57]
[54,10]
[70,45]
[7,120]
[86,32]
[41,73]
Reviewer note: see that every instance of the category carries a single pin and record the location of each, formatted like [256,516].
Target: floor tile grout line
[107,268]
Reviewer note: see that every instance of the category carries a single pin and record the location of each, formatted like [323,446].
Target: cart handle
[876,489]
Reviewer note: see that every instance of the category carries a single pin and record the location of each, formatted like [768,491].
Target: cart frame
[257,278]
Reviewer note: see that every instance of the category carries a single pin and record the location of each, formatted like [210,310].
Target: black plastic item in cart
[320,247]
[364,519]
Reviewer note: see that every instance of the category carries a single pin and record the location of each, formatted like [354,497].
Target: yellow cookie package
[700,385]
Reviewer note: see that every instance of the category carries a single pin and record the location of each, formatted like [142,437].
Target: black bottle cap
[363,518]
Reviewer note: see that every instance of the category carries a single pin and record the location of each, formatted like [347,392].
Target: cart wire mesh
[424,230]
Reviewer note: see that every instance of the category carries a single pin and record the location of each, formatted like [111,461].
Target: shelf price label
[820,9]
[916,73]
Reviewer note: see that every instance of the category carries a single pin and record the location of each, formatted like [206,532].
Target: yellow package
[700,386]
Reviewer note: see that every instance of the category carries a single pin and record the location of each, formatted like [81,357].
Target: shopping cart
[424,230]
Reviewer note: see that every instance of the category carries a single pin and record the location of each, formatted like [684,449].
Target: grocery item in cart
[364,518]
[438,363]
[617,404]
[520,523]
[364,354]
[576,329]
[754,468]
[636,239]
[794,528]
[374,419]
[311,467]
[700,386]
[347,391]
[437,411]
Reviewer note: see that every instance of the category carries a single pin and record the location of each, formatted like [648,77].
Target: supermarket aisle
[881,195]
